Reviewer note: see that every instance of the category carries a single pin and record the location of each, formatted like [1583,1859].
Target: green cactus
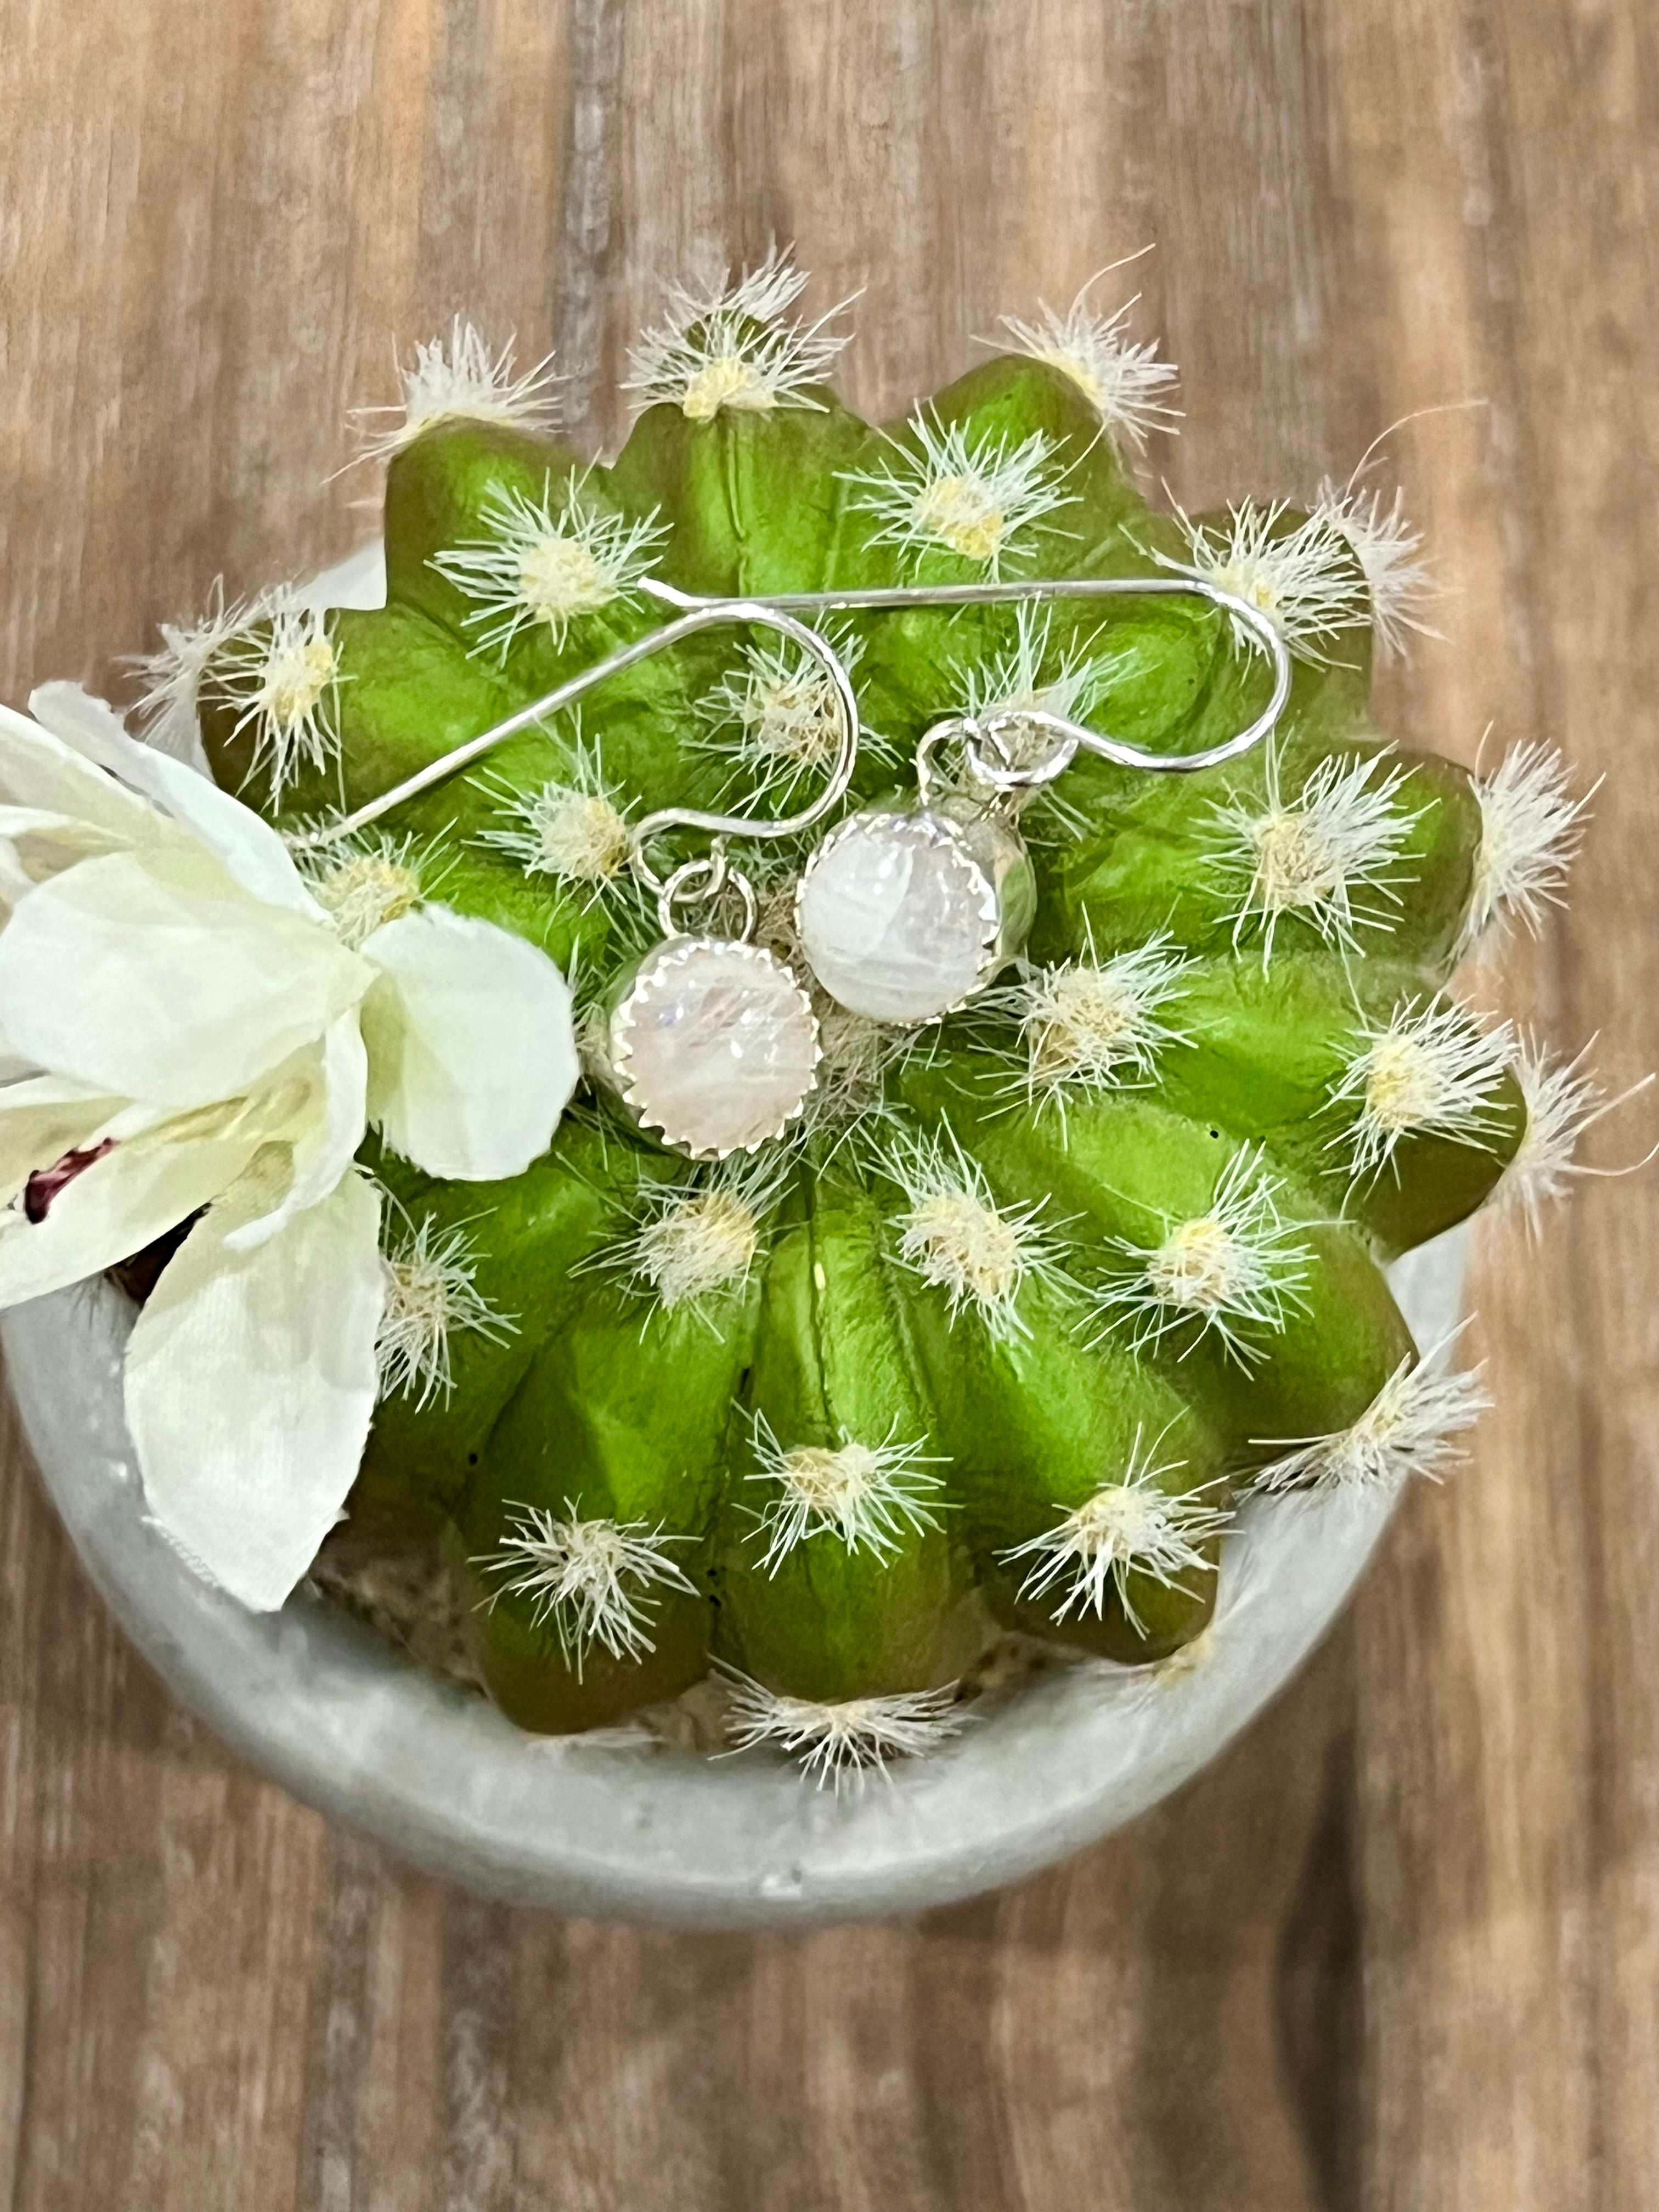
[996,1335]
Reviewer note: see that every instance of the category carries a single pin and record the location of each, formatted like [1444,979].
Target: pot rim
[351,1727]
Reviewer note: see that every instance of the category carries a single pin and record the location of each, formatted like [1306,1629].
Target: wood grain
[1399,1951]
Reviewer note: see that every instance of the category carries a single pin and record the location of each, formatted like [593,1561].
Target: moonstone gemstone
[715,1045]
[896,918]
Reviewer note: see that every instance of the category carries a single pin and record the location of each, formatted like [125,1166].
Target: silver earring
[710,1044]
[904,911]
[909,907]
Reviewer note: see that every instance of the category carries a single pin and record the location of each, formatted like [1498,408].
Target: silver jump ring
[1002,772]
[701,881]
[948,732]
[1005,772]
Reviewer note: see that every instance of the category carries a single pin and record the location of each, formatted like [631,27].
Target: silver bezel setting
[678,953]
[920,826]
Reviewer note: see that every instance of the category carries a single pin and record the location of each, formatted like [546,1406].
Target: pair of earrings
[904,913]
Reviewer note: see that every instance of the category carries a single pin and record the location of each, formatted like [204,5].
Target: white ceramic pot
[318,1704]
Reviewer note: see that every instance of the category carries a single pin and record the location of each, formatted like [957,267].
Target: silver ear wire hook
[897,598]
[700,615]
[780,612]
[762,616]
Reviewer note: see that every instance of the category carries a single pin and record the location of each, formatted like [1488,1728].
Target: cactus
[999,1332]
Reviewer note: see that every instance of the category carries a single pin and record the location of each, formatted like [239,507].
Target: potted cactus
[954,1299]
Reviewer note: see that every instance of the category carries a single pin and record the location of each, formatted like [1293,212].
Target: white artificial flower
[203,1047]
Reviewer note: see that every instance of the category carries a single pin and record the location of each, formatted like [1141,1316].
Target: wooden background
[1401,1949]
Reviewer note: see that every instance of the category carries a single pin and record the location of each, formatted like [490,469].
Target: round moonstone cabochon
[896,917]
[715,1045]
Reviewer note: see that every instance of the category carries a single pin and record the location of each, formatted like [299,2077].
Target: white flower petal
[249,848]
[37,846]
[472,1051]
[40,821]
[125,974]
[19,821]
[41,1118]
[38,769]
[359,580]
[177,731]
[13,1065]
[251,1381]
[327,1141]
[113,1209]
[16,882]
